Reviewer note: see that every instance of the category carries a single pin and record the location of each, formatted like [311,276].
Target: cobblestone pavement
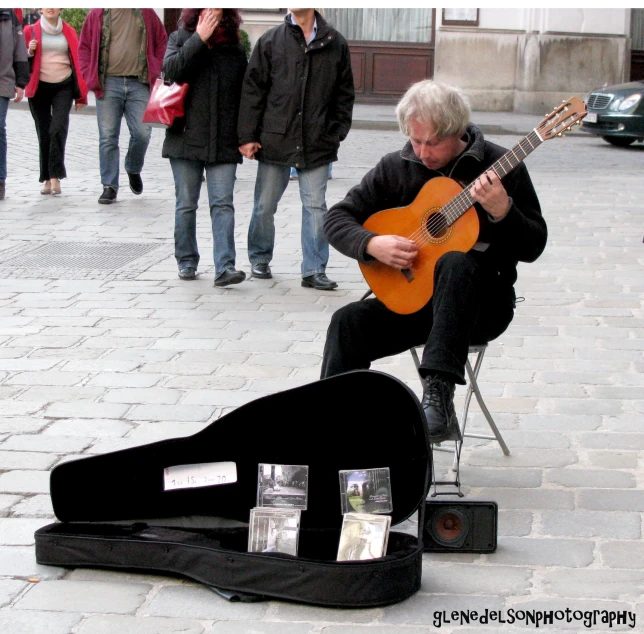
[98,353]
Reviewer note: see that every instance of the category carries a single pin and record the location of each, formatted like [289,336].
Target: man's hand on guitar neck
[394,251]
[488,190]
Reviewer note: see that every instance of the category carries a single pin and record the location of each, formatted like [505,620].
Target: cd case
[283,486]
[366,491]
[273,530]
[363,536]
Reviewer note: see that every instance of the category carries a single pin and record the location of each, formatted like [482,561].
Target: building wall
[526,60]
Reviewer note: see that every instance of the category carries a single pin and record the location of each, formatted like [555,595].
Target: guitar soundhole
[437,225]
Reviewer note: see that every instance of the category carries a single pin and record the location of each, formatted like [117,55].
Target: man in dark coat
[296,108]
[14,76]
[473,300]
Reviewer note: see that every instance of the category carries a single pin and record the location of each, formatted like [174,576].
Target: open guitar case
[114,512]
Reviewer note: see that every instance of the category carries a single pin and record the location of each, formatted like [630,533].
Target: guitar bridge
[408,274]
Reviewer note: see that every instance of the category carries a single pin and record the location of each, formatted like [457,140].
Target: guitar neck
[456,207]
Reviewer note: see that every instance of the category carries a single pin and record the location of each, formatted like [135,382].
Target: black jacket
[208,131]
[297,99]
[399,176]
[14,67]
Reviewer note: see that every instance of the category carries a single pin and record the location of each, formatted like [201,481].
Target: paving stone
[610,525]
[579,406]
[612,440]
[111,623]
[613,459]
[542,440]
[201,603]
[16,531]
[479,477]
[180,413]
[625,554]
[153,432]
[528,498]
[97,428]
[125,379]
[623,423]
[17,409]
[47,378]
[514,523]
[25,460]
[611,499]
[297,612]
[44,443]
[9,590]
[142,395]
[24,482]
[581,478]
[472,579]
[518,551]
[522,457]
[35,506]
[364,629]
[84,409]
[598,584]
[29,622]
[86,596]
[7,502]
[20,561]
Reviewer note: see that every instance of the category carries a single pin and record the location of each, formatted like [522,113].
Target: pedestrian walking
[296,108]
[56,81]
[14,76]
[121,53]
[206,53]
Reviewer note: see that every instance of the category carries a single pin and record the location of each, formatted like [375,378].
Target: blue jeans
[122,96]
[271,182]
[4,106]
[220,181]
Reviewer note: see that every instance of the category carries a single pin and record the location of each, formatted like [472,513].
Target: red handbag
[166,102]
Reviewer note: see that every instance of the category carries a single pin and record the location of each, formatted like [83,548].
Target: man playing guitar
[473,297]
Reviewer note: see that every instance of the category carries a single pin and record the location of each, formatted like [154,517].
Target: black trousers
[50,108]
[469,306]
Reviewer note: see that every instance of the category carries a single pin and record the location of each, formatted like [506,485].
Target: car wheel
[619,141]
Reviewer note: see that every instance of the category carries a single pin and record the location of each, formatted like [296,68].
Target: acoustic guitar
[442,218]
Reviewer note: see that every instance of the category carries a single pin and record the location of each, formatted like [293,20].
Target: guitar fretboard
[456,207]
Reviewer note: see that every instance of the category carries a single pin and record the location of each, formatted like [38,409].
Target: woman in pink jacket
[55,82]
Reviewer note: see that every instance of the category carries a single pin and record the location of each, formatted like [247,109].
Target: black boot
[438,404]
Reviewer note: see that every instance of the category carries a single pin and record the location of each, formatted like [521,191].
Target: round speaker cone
[449,527]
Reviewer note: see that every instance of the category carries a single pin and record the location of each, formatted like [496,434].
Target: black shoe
[136,183]
[230,276]
[188,273]
[108,196]
[2,191]
[319,281]
[261,271]
[438,404]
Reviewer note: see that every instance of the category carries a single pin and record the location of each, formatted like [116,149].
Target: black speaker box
[460,526]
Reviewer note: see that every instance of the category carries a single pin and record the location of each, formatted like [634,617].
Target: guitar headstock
[562,118]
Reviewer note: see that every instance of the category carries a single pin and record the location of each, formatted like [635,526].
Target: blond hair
[444,107]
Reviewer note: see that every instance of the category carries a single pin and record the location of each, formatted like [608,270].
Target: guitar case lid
[358,420]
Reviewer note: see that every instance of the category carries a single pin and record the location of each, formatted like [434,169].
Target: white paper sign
[189,476]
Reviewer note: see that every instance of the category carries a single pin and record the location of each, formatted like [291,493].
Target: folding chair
[472,388]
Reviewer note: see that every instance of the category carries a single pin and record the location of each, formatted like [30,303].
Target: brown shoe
[46,188]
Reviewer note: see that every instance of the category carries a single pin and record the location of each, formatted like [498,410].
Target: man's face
[432,151]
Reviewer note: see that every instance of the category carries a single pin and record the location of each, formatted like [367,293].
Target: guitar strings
[444,217]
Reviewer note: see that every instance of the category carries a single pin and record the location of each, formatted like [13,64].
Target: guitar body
[405,292]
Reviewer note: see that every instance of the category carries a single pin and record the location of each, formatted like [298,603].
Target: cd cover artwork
[366,491]
[363,536]
[283,486]
[273,531]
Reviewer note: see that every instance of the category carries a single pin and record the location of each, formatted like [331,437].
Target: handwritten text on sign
[187,476]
